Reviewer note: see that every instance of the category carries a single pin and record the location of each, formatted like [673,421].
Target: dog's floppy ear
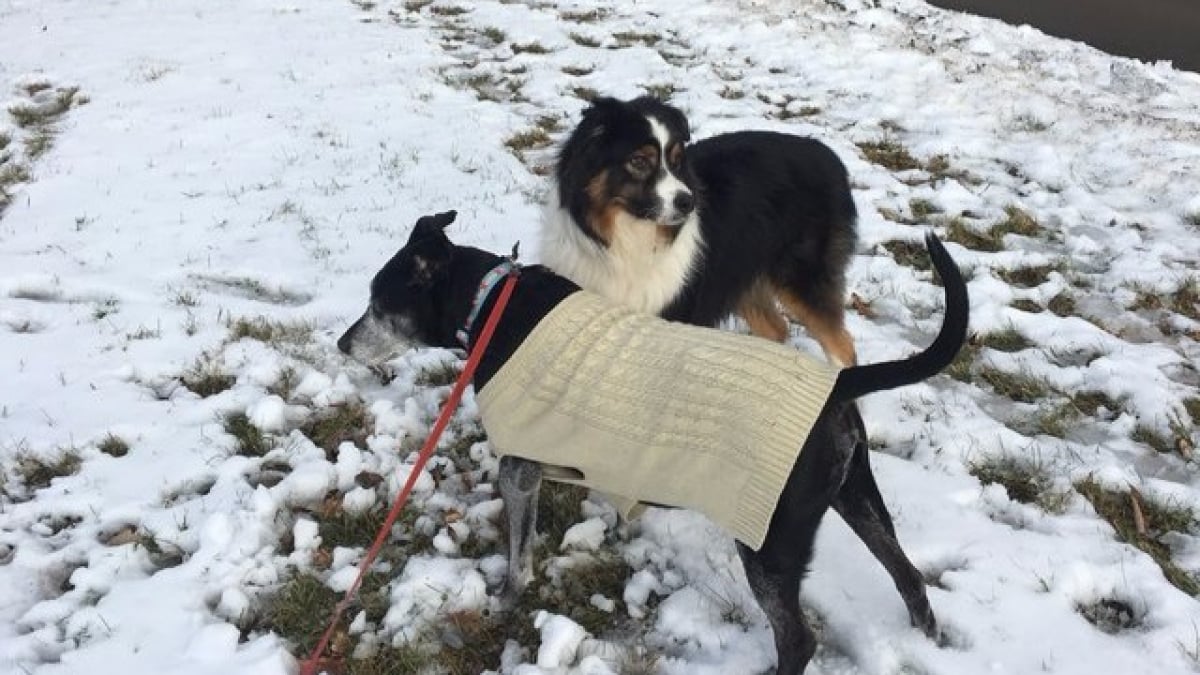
[431,226]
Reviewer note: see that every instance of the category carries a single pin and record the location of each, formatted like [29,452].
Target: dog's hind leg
[775,581]
[859,503]
[761,313]
[520,481]
[820,311]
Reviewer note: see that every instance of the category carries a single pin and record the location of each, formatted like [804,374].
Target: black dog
[694,233]
[424,296]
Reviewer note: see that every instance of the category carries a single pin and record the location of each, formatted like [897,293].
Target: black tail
[862,380]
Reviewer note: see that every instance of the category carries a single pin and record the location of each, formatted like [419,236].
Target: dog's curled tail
[862,380]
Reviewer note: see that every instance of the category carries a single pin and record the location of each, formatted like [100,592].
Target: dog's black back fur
[769,202]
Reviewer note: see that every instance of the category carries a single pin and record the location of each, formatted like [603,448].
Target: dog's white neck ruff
[658,412]
[637,269]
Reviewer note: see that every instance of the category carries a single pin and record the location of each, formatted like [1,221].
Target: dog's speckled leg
[520,480]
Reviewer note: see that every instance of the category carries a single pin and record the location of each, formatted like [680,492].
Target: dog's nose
[343,343]
[684,202]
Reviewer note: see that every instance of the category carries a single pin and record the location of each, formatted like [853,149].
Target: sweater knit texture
[658,412]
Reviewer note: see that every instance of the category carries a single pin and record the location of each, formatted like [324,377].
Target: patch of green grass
[1153,438]
[962,367]
[1017,221]
[250,440]
[584,40]
[908,253]
[299,611]
[583,16]
[1192,406]
[1026,305]
[629,37]
[959,232]
[1193,219]
[343,528]
[113,445]
[1020,387]
[1055,419]
[12,173]
[272,332]
[494,34]
[530,48]
[39,142]
[1117,507]
[1063,305]
[1090,402]
[1026,481]
[407,659]
[1007,340]
[330,428]
[578,71]
[890,154]
[922,208]
[787,112]
[1026,277]
[560,505]
[38,472]
[206,377]
[1184,300]
[570,594]
[448,10]
[5,140]
[527,140]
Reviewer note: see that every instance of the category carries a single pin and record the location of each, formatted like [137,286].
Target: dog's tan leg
[759,310]
[828,327]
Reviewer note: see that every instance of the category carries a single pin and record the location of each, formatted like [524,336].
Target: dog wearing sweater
[430,293]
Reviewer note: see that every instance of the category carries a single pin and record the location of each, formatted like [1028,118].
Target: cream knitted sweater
[658,412]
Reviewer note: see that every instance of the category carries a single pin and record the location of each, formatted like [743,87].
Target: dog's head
[627,159]
[403,310]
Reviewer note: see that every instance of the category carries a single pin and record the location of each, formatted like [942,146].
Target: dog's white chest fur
[637,270]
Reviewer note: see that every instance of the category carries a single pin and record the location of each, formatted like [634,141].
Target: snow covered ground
[200,192]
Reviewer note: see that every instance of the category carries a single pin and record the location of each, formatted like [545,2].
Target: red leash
[314,661]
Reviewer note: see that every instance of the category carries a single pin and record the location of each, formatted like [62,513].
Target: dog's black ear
[677,122]
[430,260]
[432,226]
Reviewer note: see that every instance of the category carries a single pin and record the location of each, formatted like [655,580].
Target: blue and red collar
[505,268]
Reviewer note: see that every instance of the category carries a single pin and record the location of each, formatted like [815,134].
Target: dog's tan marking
[761,313]
[827,327]
[602,214]
[675,154]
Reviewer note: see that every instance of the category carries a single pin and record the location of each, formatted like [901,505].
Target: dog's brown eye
[639,164]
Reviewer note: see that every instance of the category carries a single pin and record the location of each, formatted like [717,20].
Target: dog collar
[506,267]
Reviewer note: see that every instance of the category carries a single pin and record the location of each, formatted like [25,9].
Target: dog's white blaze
[636,270]
[669,185]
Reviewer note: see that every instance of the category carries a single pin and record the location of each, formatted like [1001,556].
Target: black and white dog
[742,222]
[426,295]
